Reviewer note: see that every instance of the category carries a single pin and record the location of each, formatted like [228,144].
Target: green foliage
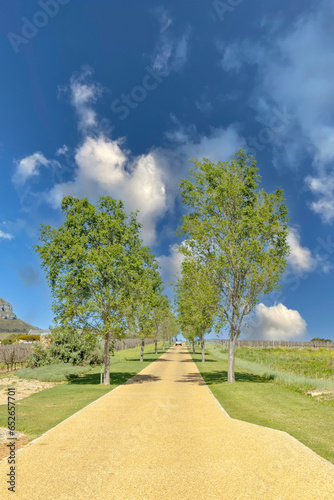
[67,346]
[239,230]
[40,355]
[317,339]
[9,339]
[71,346]
[96,265]
[196,298]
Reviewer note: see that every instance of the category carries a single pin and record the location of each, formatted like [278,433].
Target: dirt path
[163,436]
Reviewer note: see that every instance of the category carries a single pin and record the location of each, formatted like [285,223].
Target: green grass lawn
[259,400]
[41,411]
[313,363]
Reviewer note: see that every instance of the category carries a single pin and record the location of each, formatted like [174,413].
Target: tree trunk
[163,345]
[156,346]
[203,349]
[142,350]
[193,343]
[107,360]
[230,366]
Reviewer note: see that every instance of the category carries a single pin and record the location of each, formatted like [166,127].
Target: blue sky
[106,97]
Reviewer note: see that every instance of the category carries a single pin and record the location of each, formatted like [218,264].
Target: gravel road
[162,435]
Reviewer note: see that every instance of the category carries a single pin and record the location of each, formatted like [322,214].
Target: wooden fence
[272,343]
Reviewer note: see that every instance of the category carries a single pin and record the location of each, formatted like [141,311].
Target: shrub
[66,346]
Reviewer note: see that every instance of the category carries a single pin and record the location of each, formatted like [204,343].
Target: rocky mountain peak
[6,310]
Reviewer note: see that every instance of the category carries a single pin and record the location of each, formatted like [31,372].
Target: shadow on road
[198,360]
[193,378]
[141,379]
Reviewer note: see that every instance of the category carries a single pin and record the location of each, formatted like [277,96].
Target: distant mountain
[10,323]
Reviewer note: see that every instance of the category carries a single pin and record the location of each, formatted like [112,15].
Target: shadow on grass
[94,378]
[221,376]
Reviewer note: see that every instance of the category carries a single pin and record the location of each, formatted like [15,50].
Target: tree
[318,339]
[169,327]
[196,298]
[241,230]
[147,300]
[160,311]
[92,263]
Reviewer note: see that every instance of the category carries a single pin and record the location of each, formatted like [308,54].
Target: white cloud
[106,168]
[145,182]
[63,150]
[171,51]
[29,167]
[5,236]
[296,72]
[170,264]
[323,189]
[276,323]
[83,95]
[300,258]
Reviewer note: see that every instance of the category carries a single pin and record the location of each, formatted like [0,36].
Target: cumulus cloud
[104,167]
[276,323]
[296,72]
[300,258]
[171,51]
[5,236]
[29,167]
[170,264]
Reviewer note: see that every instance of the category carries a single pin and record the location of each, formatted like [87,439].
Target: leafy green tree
[160,311]
[93,262]
[169,327]
[196,299]
[147,300]
[241,230]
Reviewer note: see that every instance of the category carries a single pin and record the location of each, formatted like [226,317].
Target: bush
[40,356]
[66,346]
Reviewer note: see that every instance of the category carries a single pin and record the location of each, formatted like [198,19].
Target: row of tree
[235,249]
[105,281]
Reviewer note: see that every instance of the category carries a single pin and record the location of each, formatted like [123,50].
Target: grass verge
[280,373]
[258,400]
[41,411]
